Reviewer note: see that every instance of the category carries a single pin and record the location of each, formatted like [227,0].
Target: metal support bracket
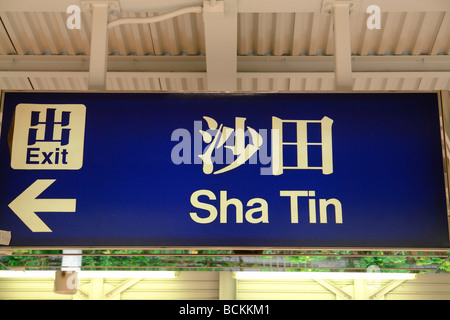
[386,289]
[333,288]
[328,5]
[113,6]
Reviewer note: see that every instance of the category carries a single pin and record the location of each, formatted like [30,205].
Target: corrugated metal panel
[408,33]
[183,35]
[255,83]
[58,81]
[118,81]
[6,46]
[46,33]
[131,38]
[286,82]
[186,82]
[402,81]
[258,34]
[362,81]
[442,40]
[411,33]
[284,34]
[14,83]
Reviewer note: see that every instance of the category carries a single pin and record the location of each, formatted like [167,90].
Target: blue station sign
[336,170]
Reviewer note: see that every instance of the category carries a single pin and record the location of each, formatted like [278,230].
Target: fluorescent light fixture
[93,274]
[27,274]
[323,275]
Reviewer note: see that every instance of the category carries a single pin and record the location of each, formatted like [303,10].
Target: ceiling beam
[256,81]
[444,77]
[66,63]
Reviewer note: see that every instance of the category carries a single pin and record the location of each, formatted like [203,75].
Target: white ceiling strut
[99,47]
[342,46]
[220,21]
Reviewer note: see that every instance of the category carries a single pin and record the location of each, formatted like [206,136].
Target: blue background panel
[387,159]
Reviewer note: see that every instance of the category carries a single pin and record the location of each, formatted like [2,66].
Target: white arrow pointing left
[26,205]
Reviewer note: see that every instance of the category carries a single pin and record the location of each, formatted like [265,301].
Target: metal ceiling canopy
[413,38]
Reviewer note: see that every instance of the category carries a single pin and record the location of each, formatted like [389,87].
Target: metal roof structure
[230,45]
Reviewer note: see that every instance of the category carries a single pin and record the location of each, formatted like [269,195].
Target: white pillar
[227,286]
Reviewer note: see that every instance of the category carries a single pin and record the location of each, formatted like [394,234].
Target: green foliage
[30,261]
[221,259]
[445,267]
[305,259]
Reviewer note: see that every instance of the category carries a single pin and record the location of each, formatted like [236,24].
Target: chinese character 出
[49,127]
